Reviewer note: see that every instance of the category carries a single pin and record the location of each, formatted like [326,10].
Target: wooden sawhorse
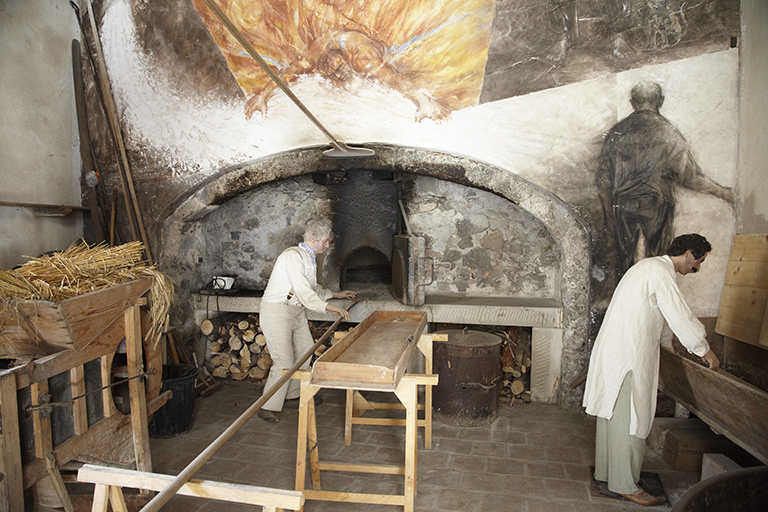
[406,392]
[357,405]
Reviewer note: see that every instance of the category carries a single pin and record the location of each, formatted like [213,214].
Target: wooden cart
[372,357]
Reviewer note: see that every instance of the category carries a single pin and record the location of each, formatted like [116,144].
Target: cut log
[264,361]
[257,373]
[243,325]
[215,346]
[221,372]
[255,348]
[249,335]
[206,327]
[261,340]
[235,343]
[517,387]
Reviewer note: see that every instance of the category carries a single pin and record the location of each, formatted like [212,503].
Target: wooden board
[374,354]
[38,328]
[732,407]
[744,302]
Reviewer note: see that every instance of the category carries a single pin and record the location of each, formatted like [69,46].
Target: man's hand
[345,294]
[711,359]
[336,310]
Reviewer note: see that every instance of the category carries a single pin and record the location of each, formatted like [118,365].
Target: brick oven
[496,249]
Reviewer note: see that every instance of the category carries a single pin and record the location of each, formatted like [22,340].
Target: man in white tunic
[293,288]
[624,367]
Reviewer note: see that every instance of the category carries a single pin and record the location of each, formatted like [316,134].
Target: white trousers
[286,331]
[619,455]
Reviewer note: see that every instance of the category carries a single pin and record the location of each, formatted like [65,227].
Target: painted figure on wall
[433,52]
[644,158]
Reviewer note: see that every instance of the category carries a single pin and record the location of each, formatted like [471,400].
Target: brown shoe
[643,498]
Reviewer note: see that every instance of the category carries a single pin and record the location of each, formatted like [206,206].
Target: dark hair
[693,242]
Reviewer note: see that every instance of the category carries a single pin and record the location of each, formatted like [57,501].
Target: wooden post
[133,346]
[406,392]
[11,486]
[41,423]
[79,408]
[58,483]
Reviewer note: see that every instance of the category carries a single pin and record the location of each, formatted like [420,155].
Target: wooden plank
[406,392]
[11,485]
[355,497]
[729,405]
[381,469]
[103,439]
[137,394]
[58,483]
[71,323]
[41,422]
[744,300]
[79,408]
[741,313]
[222,491]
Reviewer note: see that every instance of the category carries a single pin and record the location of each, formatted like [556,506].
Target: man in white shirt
[646,308]
[291,289]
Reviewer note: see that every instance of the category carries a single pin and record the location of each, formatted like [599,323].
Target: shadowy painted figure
[644,158]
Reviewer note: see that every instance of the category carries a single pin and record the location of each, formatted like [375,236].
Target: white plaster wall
[538,136]
[39,154]
[753,148]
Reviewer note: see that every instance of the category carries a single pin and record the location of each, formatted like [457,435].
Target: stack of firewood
[238,349]
[516,364]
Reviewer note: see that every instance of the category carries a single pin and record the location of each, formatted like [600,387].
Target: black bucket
[740,490]
[177,416]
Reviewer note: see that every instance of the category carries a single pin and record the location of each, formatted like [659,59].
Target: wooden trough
[732,407]
[373,356]
[33,328]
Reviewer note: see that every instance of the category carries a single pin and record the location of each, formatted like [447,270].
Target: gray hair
[318,227]
[647,93]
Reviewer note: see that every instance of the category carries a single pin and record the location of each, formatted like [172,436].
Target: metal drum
[469,366]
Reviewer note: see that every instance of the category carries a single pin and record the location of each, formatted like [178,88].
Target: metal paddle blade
[347,152]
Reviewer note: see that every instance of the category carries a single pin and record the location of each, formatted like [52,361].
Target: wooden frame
[109,483]
[406,392]
[357,405]
[115,437]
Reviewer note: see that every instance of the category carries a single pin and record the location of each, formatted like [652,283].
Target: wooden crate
[37,328]
[373,356]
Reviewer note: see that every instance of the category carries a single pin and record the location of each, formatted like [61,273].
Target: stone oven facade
[502,251]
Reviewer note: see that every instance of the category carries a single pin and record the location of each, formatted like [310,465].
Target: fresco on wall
[644,159]
[538,44]
[431,51]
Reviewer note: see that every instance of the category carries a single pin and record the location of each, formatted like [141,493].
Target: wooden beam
[11,485]
[137,394]
[223,491]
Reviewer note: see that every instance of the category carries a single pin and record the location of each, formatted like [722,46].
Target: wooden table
[371,357]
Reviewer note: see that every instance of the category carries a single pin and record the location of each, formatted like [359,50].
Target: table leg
[307,394]
[406,392]
[348,414]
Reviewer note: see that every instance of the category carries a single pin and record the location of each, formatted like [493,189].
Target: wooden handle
[187,473]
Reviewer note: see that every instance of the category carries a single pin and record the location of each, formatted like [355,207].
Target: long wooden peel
[340,150]
[187,473]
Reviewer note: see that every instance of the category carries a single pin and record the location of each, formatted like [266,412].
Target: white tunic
[295,273]
[645,302]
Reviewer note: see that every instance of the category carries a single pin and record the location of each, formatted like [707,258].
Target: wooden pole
[188,472]
[115,124]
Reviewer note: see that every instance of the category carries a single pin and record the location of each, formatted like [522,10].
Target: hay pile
[82,269]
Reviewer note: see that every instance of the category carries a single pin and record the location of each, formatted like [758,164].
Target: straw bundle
[82,269]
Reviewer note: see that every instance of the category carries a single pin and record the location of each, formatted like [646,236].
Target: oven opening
[366,266]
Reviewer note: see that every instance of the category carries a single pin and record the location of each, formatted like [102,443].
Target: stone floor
[532,458]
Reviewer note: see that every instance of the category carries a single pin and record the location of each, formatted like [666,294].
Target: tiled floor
[532,458]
